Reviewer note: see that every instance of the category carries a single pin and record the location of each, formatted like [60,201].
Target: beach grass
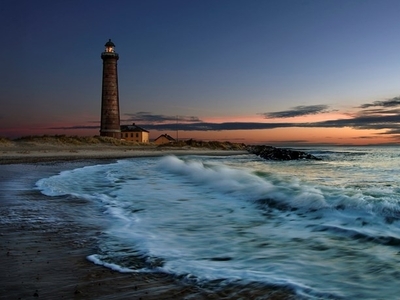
[61,147]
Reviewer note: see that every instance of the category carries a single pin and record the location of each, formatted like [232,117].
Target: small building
[134,133]
[164,139]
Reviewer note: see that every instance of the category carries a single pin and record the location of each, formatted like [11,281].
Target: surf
[241,219]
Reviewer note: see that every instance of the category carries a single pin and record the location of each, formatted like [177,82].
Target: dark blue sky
[209,61]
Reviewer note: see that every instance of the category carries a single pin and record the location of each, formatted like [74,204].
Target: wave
[245,184]
[271,191]
[265,189]
[238,218]
[357,234]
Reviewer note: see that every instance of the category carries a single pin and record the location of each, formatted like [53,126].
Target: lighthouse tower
[110,121]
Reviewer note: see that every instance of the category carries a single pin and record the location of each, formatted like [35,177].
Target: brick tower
[110,122]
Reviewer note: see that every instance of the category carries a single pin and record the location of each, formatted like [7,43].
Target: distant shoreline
[34,154]
[69,148]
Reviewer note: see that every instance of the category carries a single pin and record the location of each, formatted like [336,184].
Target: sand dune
[53,148]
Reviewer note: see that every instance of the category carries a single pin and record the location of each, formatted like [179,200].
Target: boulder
[272,153]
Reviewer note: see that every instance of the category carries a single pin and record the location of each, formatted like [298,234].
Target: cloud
[198,126]
[379,115]
[389,122]
[75,127]
[394,131]
[378,111]
[373,122]
[374,119]
[364,137]
[297,111]
[204,126]
[147,117]
[387,103]
[360,122]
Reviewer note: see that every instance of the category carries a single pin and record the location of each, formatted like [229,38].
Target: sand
[45,258]
[41,153]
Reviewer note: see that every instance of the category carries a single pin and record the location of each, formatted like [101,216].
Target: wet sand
[43,248]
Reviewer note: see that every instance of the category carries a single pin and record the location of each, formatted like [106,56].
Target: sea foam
[323,228]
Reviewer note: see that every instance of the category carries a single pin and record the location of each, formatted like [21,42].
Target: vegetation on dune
[215,145]
[74,140]
[5,141]
[64,140]
[263,151]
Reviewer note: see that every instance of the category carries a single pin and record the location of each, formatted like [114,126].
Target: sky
[287,72]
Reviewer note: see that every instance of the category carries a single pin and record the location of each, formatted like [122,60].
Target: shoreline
[47,259]
[37,154]
[44,249]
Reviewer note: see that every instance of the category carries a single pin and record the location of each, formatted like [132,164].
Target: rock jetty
[272,153]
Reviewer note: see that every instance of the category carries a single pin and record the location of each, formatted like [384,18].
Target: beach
[42,152]
[141,222]
[44,248]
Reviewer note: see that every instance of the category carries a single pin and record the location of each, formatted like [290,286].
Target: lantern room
[109,47]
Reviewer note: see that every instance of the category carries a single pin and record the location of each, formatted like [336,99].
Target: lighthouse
[110,121]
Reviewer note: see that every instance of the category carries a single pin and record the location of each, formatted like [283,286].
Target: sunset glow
[284,73]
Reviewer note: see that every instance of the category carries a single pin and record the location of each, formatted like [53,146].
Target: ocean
[325,229]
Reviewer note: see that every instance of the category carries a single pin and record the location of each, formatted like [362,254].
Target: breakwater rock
[272,153]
